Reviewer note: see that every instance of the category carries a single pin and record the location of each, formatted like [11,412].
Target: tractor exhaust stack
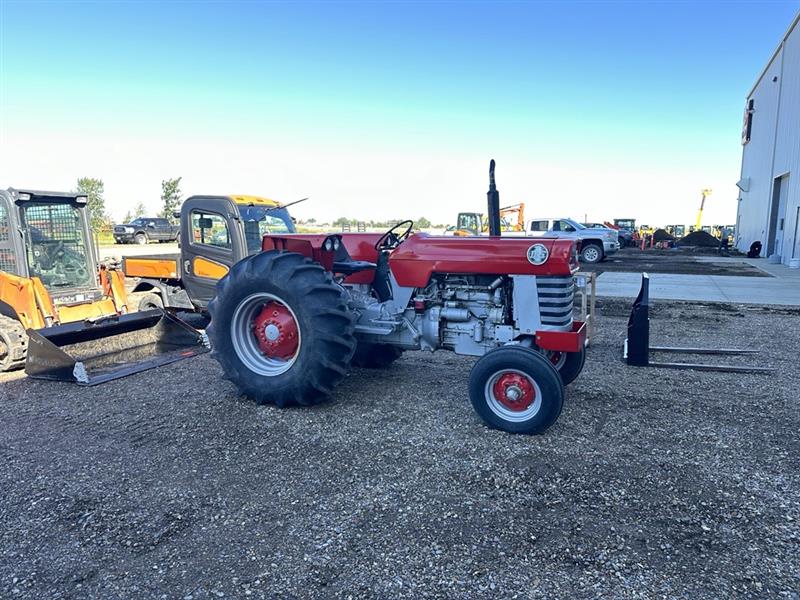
[93,352]
[493,200]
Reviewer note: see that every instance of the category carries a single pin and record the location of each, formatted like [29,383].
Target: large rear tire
[13,344]
[516,389]
[375,356]
[281,329]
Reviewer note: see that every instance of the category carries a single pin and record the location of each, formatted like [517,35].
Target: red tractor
[287,323]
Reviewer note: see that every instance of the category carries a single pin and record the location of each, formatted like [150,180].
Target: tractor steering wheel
[391,240]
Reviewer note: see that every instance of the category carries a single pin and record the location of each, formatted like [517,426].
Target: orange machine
[53,293]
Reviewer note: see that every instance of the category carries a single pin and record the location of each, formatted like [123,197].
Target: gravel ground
[683,261]
[653,483]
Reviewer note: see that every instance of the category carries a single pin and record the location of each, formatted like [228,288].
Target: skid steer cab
[62,315]
[287,322]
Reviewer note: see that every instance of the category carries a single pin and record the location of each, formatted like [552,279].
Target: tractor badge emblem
[538,254]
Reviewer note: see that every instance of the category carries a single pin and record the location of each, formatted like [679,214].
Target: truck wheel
[151,302]
[516,390]
[281,329]
[591,253]
[13,344]
[568,364]
[375,356]
[140,238]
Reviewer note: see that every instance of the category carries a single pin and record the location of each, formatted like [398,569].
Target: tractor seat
[348,267]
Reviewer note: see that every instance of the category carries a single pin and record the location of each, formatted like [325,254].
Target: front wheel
[13,344]
[568,364]
[281,329]
[592,254]
[151,302]
[516,391]
[140,238]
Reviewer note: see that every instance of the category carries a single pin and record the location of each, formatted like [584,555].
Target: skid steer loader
[63,316]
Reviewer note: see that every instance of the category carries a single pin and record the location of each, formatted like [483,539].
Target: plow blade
[92,352]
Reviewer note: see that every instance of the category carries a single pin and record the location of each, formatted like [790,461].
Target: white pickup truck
[596,244]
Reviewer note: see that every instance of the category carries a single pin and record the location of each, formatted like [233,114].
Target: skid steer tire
[516,389]
[375,356]
[150,302]
[281,329]
[13,344]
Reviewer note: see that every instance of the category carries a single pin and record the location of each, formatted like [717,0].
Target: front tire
[591,254]
[150,302]
[568,364]
[140,238]
[516,390]
[13,344]
[281,329]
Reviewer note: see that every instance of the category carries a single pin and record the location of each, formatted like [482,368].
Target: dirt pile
[661,235]
[699,238]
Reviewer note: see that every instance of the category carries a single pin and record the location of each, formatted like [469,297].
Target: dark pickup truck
[144,229]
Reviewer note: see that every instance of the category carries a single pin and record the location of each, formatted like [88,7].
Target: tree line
[94,189]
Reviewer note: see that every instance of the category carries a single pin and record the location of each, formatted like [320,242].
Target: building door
[796,244]
[777,217]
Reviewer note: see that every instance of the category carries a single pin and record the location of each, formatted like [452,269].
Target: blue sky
[635,96]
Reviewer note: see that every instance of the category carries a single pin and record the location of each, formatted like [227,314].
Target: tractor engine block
[469,314]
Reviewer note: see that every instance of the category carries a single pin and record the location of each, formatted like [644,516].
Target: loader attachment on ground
[93,352]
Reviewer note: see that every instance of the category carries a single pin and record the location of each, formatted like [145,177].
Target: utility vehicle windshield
[57,251]
[260,220]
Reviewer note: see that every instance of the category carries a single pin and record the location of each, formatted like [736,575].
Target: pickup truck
[146,229]
[596,244]
[216,232]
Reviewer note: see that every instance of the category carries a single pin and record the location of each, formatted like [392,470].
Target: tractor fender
[173,296]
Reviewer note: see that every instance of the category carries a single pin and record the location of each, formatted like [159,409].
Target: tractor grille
[556,297]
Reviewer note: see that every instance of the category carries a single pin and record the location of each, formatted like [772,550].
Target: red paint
[563,341]
[523,386]
[421,255]
[285,345]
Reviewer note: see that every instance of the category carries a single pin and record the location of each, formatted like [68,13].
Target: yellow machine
[706,193]
[54,294]
[469,223]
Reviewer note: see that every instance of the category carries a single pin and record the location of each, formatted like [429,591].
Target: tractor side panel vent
[556,298]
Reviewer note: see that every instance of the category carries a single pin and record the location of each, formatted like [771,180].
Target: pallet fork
[637,347]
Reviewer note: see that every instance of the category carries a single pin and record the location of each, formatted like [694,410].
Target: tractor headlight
[328,245]
[336,243]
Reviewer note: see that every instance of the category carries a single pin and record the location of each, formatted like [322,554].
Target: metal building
[769,187]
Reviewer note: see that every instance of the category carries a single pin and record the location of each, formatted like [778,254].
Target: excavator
[470,223]
[65,316]
[698,224]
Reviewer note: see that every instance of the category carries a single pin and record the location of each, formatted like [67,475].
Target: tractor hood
[422,255]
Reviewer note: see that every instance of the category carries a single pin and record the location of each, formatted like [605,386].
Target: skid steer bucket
[92,352]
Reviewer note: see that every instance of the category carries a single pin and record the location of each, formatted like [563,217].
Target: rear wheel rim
[512,395]
[267,343]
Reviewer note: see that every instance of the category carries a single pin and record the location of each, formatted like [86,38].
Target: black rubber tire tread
[150,302]
[326,327]
[586,247]
[376,356]
[15,339]
[573,366]
[536,366]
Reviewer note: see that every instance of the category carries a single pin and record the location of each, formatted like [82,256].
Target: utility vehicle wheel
[281,329]
[151,302]
[568,364]
[13,344]
[140,238]
[375,356]
[591,253]
[516,389]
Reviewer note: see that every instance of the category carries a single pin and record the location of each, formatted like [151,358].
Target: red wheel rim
[276,331]
[514,391]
